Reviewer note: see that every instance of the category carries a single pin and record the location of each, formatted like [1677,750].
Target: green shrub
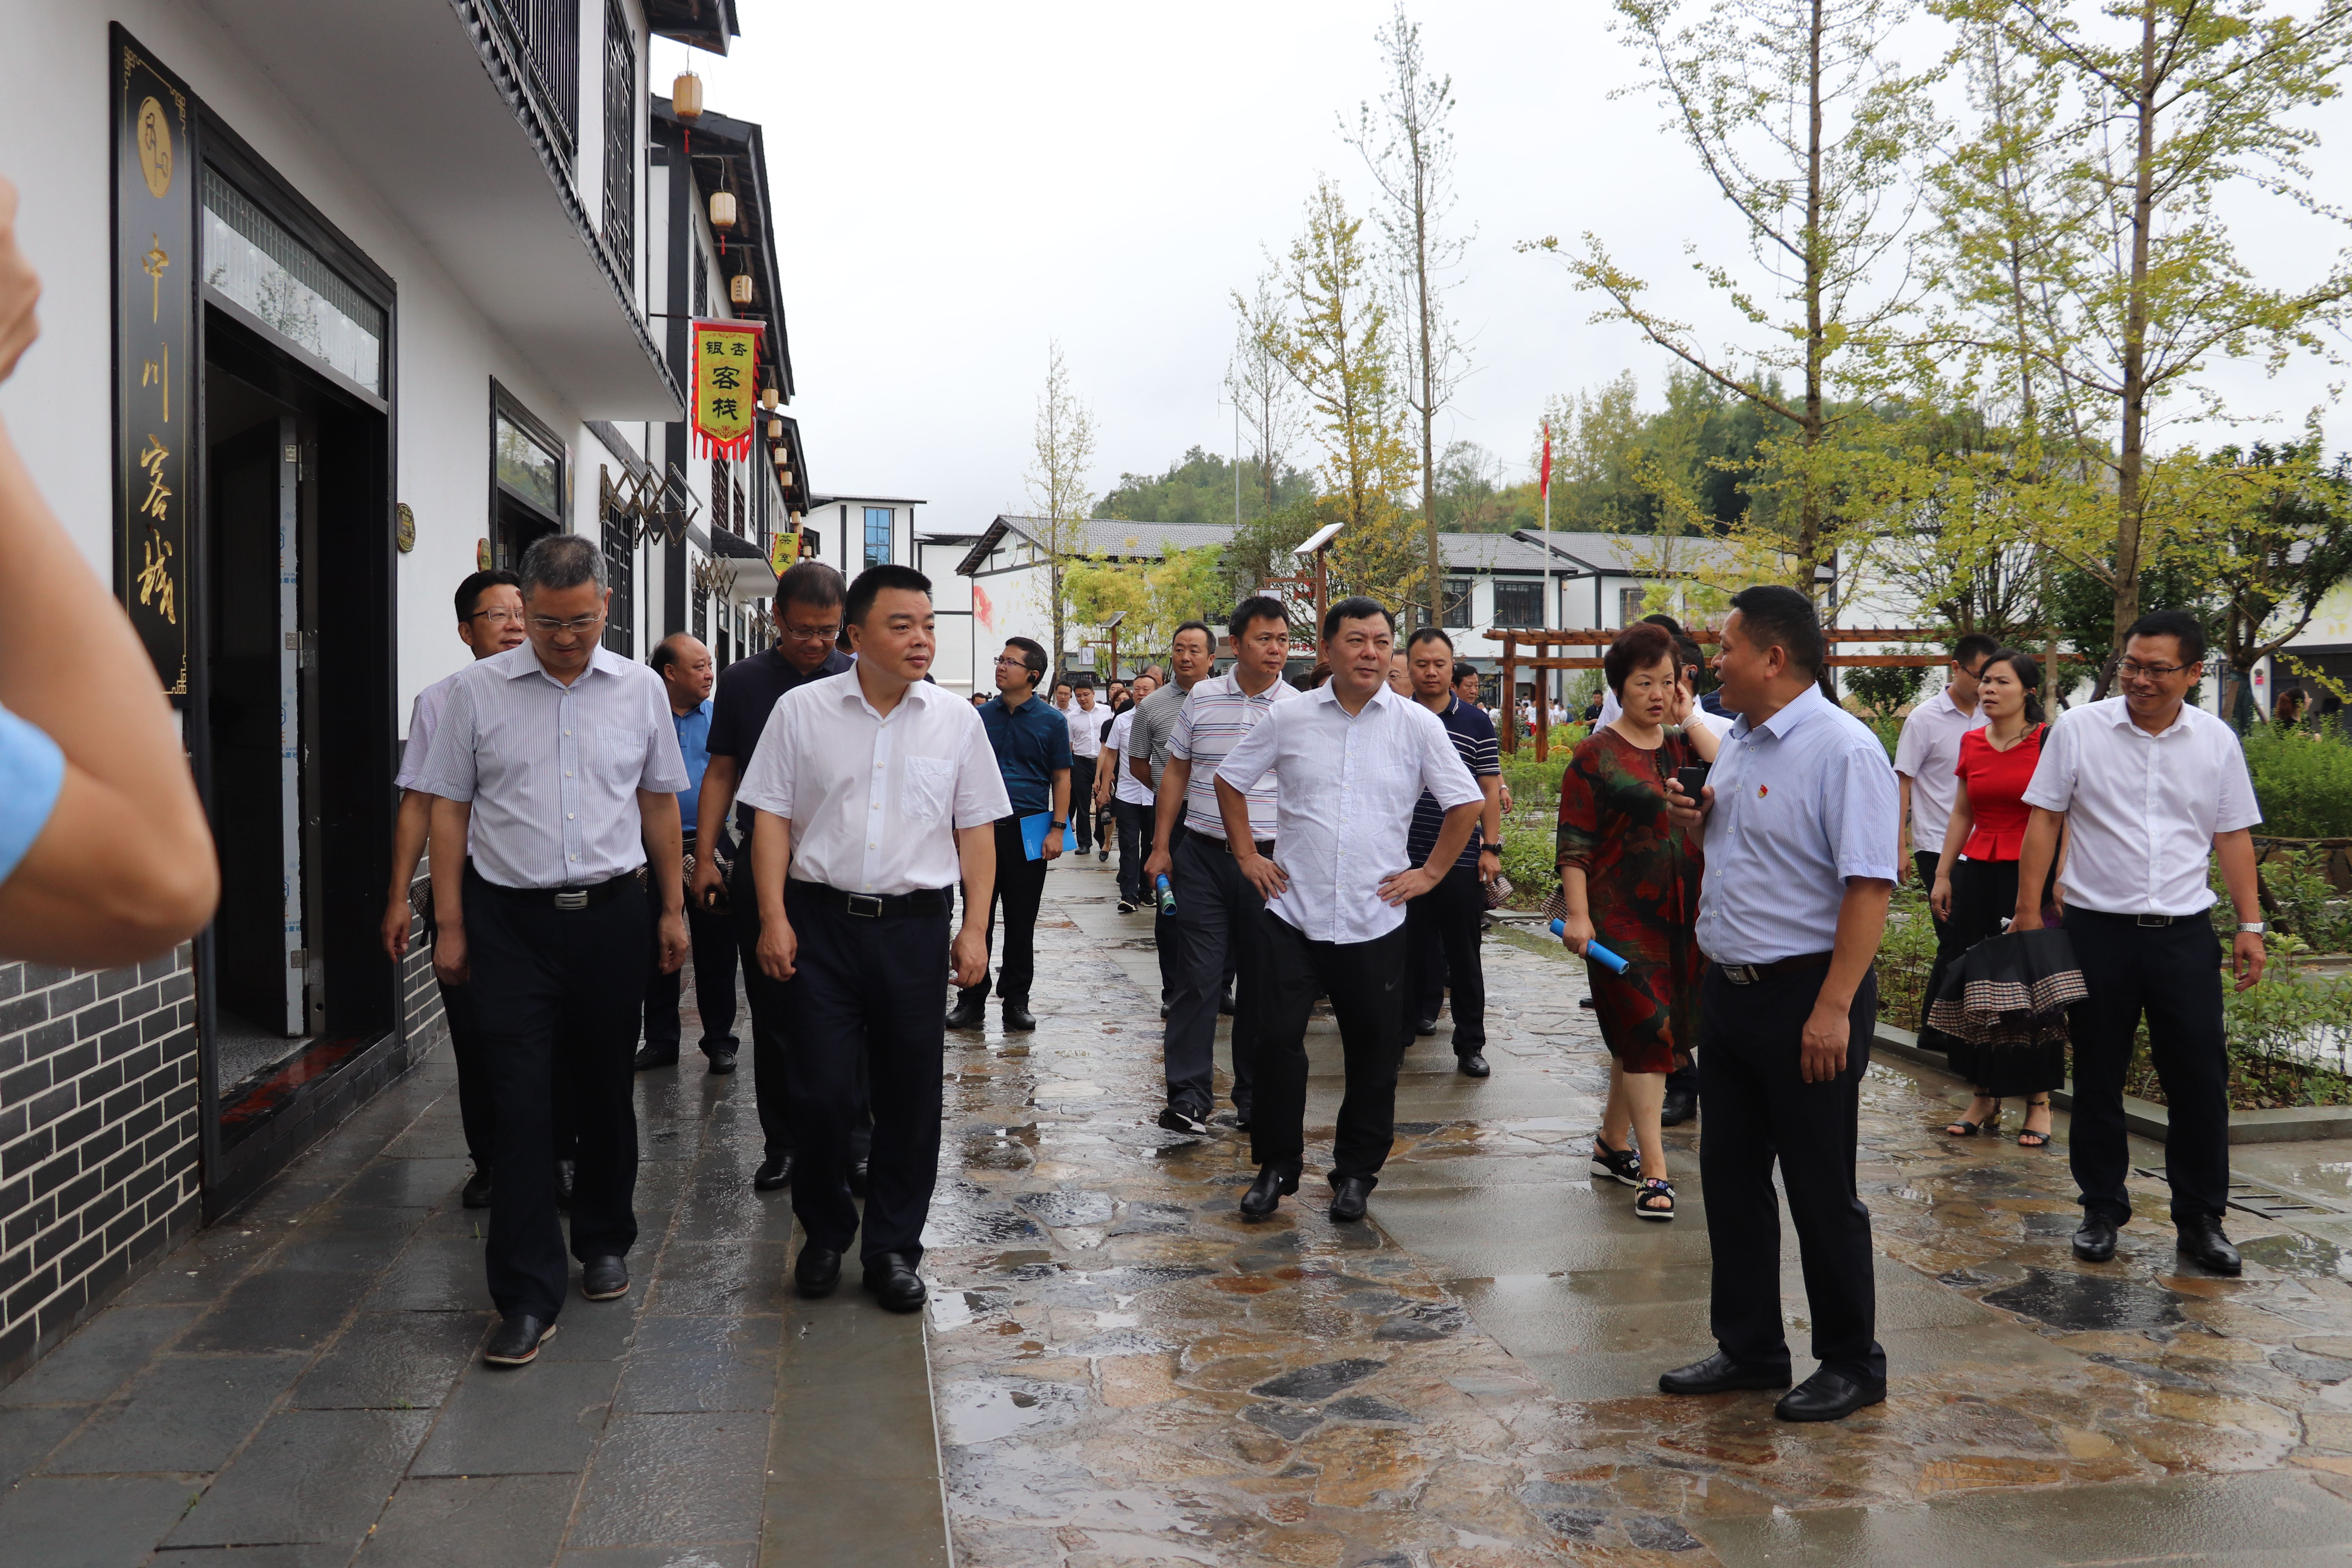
[2303,781]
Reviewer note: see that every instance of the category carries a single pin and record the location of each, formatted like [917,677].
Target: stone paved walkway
[301,1387]
[1126,1371]
[1120,1371]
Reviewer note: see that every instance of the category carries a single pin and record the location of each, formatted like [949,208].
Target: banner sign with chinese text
[154,340]
[725,387]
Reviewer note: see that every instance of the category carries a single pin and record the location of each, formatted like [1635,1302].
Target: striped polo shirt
[1216,715]
[1473,734]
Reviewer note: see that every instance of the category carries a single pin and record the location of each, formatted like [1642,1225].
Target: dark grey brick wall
[99,1137]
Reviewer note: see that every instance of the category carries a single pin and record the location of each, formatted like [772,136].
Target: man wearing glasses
[489,620]
[556,769]
[2149,787]
[1032,743]
[808,611]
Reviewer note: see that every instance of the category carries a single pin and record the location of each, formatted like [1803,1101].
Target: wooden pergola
[1537,658]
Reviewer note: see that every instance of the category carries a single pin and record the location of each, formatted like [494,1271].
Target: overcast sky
[959,186]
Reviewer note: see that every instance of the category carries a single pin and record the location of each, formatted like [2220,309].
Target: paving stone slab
[541,1419]
[87,1521]
[394,1361]
[475,1521]
[308,1476]
[184,1414]
[101,1356]
[662,1479]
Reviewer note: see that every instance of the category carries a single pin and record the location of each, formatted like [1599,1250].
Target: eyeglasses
[2132,669]
[498,618]
[812,634]
[548,627]
[1010,663]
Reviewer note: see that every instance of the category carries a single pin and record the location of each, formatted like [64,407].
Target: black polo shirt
[748,689]
[1473,734]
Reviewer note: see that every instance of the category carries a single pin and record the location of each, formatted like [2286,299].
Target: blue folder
[1033,834]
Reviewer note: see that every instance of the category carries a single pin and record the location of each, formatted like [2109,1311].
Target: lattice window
[620,140]
[546,33]
[620,572]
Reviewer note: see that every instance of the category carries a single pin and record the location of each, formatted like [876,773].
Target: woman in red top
[1975,883]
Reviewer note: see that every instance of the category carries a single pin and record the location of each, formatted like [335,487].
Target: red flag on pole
[1546,463]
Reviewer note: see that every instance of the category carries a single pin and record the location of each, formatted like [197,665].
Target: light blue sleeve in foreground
[32,770]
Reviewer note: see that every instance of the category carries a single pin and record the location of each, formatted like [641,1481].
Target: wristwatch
[2255,928]
[1054,822]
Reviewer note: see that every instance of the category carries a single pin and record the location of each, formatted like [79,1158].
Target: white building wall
[59,406]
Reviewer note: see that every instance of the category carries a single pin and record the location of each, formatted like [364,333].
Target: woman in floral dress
[1629,879]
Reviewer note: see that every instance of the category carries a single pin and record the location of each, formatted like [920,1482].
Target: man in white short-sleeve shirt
[2146,788]
[877,794]
[1353,757]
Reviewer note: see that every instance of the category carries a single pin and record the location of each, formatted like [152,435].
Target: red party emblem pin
[1763,790]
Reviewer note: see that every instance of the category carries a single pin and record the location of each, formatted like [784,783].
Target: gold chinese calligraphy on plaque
[154,322]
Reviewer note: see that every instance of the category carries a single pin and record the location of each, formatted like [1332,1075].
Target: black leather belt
[2073,909]
[1264,845]
[876,906]
[1750,974]
[584,898]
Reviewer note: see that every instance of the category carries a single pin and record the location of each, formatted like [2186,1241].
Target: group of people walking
[1733,857]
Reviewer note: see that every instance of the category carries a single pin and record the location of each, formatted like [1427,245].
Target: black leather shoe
[2201,1242]
[892,1280]
[1424,1027]
[2096,1242]
[1226,1005]
[857,1176]
[516,1340]
[1266,1194]
[1472,1064]
[967,1012]
[722,1062]
[604,1279]
[1184,1118]
[776,1170]
[477,1194]
[566,1174]
[817,1270]
[1719,1374]
[1348,1196]
[651,1057]
[1240,1118]
[1828,1396]
[1678,1106]
[1163,1010]
[1018,1019]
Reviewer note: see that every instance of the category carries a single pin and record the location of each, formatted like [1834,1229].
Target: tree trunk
[1809,533]
[1428,385]
[2130,460]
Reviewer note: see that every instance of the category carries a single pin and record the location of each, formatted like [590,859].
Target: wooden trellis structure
[1513,661]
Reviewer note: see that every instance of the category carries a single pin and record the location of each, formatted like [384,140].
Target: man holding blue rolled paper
[1031,741]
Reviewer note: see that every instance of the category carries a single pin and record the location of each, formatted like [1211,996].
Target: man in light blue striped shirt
[1217,911]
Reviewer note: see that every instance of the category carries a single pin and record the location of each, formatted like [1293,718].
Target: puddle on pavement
[2293,1252]
[2082,1302]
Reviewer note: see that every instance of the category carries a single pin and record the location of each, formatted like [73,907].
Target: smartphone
[1691,778]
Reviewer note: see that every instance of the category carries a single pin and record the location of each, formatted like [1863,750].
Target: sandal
[1656,1199]
[2029,1138]
[1962,1128]
[1621,1166]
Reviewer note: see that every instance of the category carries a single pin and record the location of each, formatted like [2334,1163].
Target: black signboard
[155,181]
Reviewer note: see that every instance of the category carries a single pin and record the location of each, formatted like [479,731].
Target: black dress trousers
[1761,1110]
[1442,930]
[477,1108]
[713,934]
[1218,940]
[1135,828]
[2172,972]
[551,983]
[865,989]
[1366,983]
[1020,888]
[772,1062]
[1082,802]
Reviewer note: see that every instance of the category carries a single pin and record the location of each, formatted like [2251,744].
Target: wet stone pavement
[301,1387]
[1126,1371]
[1117,1369]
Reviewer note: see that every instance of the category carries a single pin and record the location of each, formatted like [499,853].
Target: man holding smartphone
[1800,836]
